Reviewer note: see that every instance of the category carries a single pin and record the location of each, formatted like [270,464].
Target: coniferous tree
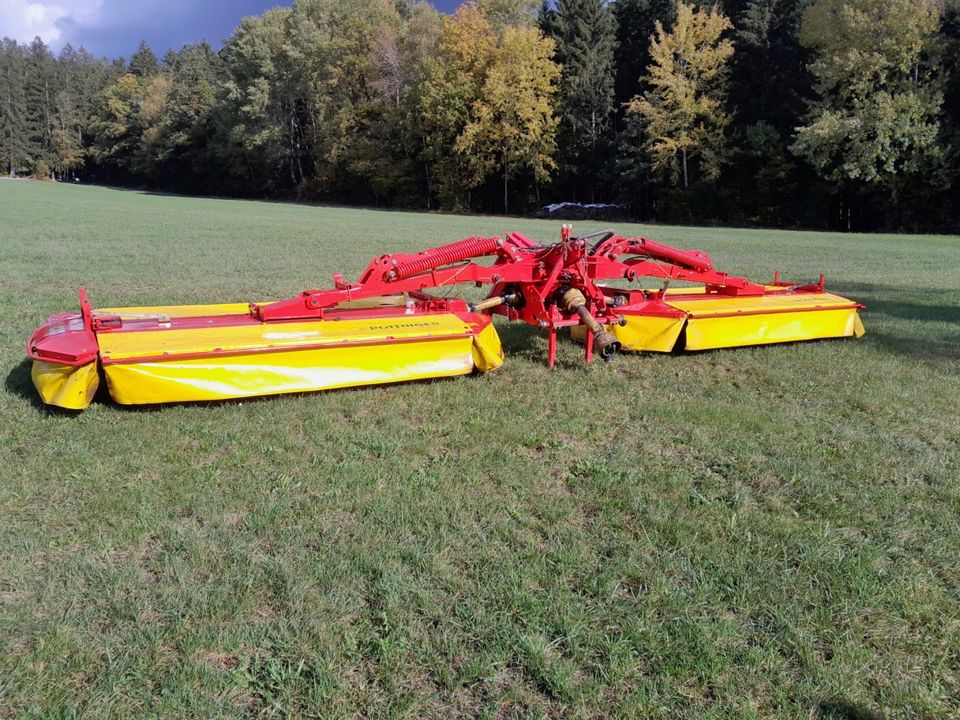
[143,63]
[951,103]
[547,19]
[585,33]
[768,85]
[636,23]
[14,128]
[769,78]
[41,90]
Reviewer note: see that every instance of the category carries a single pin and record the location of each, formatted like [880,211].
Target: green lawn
[765,532]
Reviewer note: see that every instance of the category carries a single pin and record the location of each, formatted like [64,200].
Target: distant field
[756,533]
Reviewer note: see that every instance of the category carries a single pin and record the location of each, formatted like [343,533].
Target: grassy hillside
[765,532]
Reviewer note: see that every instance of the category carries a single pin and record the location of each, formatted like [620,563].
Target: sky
[114,28]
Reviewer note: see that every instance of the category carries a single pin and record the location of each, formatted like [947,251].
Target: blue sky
[114,27]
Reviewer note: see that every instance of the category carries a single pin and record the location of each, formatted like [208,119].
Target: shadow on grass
[889,300]
[844,710]
[917,342]
[520,340]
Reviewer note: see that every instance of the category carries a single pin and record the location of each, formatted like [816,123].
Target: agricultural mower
[386,328]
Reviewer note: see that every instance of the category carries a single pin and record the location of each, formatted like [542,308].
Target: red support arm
[540,270]
[398,273]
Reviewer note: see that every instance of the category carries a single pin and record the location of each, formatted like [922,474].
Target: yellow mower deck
[709,322]
[190,353]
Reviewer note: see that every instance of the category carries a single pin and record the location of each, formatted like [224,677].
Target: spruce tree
[585,32]
[14,132]
[636,23]
[547,19]
[41,91]
[144,63]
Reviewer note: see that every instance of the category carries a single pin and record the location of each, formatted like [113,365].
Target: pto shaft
[572,300]
[495,301]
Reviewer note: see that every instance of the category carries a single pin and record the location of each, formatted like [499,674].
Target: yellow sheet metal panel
[648,333]
[706,333]
[487,350]
[125,345]
[642,333]
[189,311]
[716,305]
[177,311]
[65,386]
[235,376]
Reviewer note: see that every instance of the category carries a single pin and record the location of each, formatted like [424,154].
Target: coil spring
[445,255]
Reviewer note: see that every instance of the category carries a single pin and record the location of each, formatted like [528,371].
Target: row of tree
[829,113]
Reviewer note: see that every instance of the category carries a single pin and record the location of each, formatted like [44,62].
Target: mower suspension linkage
[547,286]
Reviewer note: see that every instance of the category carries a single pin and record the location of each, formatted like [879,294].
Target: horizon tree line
[838,114]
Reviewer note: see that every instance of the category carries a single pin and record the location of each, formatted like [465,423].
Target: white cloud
[52,21]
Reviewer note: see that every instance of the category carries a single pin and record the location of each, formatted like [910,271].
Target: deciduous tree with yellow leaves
[684,112]
[511,79]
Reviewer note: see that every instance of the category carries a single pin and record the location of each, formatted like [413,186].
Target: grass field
[765,532]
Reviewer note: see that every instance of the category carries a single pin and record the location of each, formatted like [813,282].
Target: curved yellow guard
[735,322]
[487,350]
[65,386]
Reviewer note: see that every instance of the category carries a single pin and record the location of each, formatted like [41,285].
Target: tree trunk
[506,207]
[685,184]
[593,155]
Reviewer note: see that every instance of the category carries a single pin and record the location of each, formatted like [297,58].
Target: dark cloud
[114,28]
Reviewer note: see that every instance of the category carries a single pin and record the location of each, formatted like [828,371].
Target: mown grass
[765,532]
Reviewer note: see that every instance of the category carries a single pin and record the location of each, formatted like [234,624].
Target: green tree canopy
[877,117]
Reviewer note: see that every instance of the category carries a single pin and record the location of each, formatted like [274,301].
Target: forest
[833,114]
